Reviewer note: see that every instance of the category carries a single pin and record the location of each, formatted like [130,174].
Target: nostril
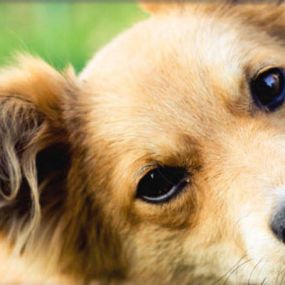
[283,234]
[279,233]
[278,224]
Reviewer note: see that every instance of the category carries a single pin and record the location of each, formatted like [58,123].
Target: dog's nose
[278,224]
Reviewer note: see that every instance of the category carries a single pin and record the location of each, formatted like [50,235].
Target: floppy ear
[34,154]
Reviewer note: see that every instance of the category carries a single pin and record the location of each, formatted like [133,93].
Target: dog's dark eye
[268,89]
[162,184]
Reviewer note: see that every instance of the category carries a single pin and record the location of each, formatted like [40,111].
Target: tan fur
[162,6]
[172,90]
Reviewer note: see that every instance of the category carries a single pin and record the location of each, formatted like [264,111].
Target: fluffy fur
[172,90]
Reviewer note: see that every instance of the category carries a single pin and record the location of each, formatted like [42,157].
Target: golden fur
[171,90]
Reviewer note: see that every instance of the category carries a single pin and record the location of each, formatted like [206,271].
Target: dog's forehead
[193,40]
[171,71]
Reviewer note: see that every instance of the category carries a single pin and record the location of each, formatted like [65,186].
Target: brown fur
[172,90]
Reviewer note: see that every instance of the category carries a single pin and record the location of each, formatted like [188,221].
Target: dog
[162,162]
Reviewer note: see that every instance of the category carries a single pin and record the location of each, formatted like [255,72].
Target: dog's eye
[268,89]
[162,184]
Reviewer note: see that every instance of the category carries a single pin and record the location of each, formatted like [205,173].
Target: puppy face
[177,91]
[173,139]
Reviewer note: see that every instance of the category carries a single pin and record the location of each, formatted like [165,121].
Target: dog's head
[172,148]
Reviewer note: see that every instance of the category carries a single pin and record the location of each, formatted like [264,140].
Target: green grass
[62,33]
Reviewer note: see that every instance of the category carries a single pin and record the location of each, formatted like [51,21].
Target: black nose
[278,224]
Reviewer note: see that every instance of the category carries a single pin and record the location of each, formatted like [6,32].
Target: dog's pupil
[161,184]
[268,89]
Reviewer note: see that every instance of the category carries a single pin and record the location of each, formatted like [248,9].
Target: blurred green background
[62,33]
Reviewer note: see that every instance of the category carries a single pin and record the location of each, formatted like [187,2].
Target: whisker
[253,270]
[234,268]
[237,268]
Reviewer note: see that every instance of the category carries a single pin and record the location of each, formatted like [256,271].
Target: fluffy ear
[34,150]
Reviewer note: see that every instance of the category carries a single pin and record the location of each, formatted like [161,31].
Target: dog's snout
[278,224]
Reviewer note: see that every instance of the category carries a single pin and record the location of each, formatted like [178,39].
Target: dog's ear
[34,153]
